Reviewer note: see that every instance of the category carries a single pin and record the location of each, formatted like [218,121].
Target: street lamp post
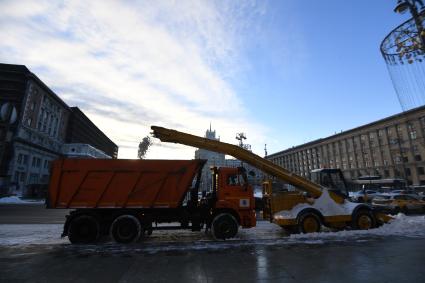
[403,6]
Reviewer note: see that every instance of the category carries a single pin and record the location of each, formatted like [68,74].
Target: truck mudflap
[248,219]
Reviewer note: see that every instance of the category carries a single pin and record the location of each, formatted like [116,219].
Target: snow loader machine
[323,202]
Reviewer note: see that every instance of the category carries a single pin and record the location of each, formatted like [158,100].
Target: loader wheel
[309,223]
[224,226]
[363,220]
[126,229]
[84,229]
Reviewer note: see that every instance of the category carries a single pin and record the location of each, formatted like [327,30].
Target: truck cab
[233,195]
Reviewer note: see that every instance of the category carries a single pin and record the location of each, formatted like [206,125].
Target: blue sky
[284,72]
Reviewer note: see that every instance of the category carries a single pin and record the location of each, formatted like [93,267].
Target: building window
[22,177]
[29,121]
[408,172]
[34,161]
[405,159]
[421,171]
[19,161]
[418,157]
[25,159]
[397,159]
[33,178]
[413,134]
[386,173]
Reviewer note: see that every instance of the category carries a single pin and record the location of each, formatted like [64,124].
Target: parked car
[395,203]
[364,196]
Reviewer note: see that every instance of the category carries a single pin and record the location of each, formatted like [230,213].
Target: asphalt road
[180,257]
[30,214]
[391,260]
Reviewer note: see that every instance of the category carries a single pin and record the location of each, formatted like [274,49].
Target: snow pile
[264,234]
[401,225]
[18,200]
[25,234]
[325,204]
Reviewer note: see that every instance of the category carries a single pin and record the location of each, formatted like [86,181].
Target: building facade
[33,129]
[82,130]
[213,159]
[393,147]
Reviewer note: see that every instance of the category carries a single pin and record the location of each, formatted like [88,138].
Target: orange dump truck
[126,199]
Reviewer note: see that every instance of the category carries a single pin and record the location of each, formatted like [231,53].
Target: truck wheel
[363,220]
[309,223]
[224,226]
[84,229]
[126,229]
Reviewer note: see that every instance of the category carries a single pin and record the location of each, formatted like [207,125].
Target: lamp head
[402,7]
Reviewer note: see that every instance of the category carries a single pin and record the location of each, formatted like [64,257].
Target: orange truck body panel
[120,183]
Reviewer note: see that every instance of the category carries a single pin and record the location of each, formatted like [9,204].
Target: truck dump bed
[120,183]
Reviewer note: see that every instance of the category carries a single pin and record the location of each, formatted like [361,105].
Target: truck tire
[84,229]
[126,229]
[363,219]
[309,222]
[224,226]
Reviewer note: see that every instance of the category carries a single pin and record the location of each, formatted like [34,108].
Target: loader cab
[333,179]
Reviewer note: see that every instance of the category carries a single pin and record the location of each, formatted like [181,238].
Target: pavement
[262,254]
[30,214]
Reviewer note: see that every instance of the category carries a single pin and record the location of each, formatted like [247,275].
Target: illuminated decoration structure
[404,52]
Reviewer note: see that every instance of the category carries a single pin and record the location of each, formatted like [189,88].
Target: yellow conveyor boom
[168,135]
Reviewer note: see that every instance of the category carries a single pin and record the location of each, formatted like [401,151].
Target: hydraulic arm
[168,135]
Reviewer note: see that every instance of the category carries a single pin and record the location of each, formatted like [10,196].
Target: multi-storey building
[213,159]
[82,130]
[393,147]
[33,129]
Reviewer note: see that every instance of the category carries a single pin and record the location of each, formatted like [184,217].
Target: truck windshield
[235,180]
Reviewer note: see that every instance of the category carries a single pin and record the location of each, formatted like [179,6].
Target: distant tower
[213,159]
[265,150]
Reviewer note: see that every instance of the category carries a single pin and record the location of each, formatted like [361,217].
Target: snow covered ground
[264,234]
[18,200]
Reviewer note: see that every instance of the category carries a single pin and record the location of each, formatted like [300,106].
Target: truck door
[237,191]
